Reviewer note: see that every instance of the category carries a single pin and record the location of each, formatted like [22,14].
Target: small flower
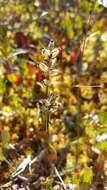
[46,53]
[55,52]
[71,186]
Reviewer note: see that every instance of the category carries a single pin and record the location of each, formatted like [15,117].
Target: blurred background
[79,29]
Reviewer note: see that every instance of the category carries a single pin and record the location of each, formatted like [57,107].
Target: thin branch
[39,157]
[21,167]
[64,172]
[6,184]
[60,178]
[87,86]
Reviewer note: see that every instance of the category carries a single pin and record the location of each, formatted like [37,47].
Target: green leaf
[5,140]
[67,24]
[102,145]
[102,130]
[87,175]
[3,31]
[103,118]
[2,86]
[2,158]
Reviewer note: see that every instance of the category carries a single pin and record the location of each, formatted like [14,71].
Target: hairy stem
[47,115]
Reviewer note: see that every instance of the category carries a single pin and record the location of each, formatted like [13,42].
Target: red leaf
[31,70]
[52,156]
[99,167]
[18,79]
[39,75]
[22,40]
[75,55]
[59,43]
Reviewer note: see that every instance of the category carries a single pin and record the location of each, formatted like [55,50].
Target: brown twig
[39,157]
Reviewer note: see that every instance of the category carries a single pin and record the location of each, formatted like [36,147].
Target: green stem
[47,116]
[86,35]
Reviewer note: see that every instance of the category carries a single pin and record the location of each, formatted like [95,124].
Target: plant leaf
[103,118]
[5,140]
[102,145]
[87,175]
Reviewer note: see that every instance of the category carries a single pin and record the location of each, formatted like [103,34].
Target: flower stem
[47,115]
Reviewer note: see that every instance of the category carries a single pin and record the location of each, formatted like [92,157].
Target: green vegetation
[53,95]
